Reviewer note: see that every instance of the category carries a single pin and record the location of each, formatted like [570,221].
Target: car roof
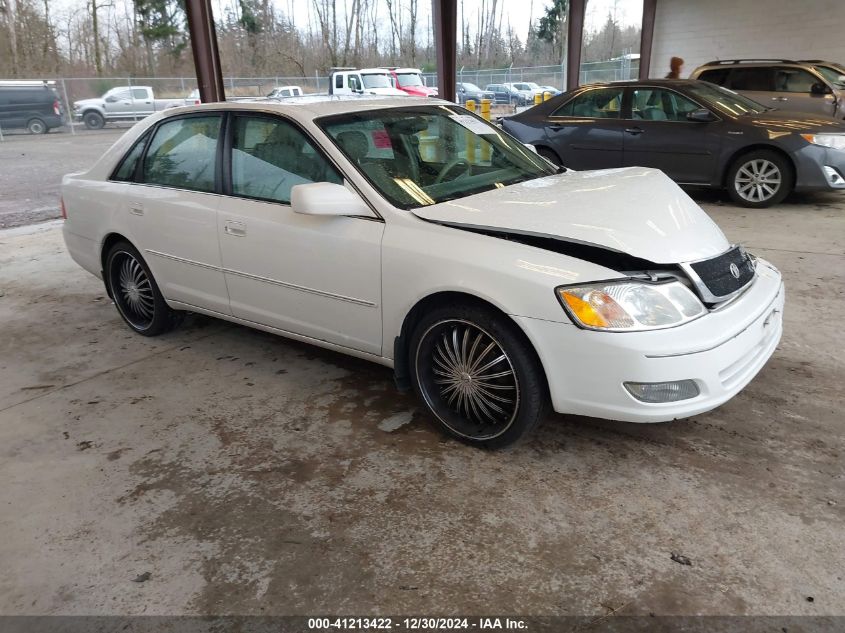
[312,106]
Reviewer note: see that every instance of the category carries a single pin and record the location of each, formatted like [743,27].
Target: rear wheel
[135,292]
[93,120]
[759,179]
[36,126]
[478,375]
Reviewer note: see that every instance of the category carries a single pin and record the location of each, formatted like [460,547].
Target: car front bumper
[820,168]
[721,352]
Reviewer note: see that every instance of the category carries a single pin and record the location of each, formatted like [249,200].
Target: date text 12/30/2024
[416,624]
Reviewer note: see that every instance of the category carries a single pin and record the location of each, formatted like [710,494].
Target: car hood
[786,121]
[390,92]
[630,210]
[84,102]
[421,91]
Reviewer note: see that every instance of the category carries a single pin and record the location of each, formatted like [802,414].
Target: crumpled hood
[632,210]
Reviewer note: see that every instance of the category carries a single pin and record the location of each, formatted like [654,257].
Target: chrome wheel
[132,290]
[467,379]
[758,180]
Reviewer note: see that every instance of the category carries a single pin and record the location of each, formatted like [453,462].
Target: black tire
[135,293]
[93,120]
[37,126]
[760,179]
[494,349]
[550,155]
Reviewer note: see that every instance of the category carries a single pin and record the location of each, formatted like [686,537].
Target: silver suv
[780,83]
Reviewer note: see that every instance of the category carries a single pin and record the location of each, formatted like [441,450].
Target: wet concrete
[248,474]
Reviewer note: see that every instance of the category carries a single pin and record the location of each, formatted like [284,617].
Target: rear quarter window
[718,76]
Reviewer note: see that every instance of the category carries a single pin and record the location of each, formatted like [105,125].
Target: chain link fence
[133,106]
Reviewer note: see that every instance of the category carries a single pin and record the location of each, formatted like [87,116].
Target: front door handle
[634,131]
[236,229]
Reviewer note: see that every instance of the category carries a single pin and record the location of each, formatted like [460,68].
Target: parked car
[697,133]
[608,293]
[467,91]
[551,90]
[125,103]
[506,93]
[528,89]
[31,105]
[410,80]
[780,83]
[375,81]
[193,97]
[282,92]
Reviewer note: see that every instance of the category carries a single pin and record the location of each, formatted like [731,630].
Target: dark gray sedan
[697,133]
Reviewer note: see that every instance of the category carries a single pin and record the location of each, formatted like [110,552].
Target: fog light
[834,177]
[663,391]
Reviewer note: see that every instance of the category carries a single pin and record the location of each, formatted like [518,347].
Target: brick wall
[703,30]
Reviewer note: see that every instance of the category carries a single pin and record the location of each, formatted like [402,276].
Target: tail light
[57,107]
[64,211]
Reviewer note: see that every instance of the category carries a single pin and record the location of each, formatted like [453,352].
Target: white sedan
[414,234]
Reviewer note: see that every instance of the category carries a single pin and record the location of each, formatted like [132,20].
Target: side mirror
[111,99]
[701,116]
[819,89]
[327,198]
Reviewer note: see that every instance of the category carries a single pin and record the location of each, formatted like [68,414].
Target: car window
[794,80]
[139,93]
[126,171]
[601,103]
[658,104]
[718,76]
[182,153]
[759,79]
[338,81]
[270,156]
[121,95]
[833,75]
[423,155]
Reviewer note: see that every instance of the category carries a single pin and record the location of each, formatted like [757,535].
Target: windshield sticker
[473,124]
[381,140]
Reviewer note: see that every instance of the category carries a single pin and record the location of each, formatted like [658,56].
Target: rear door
[659,135]
[756,82]
[142,101]
[587,131]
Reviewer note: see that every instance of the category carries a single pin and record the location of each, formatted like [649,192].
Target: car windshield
[471,87]
[376,81]
[833,75]
[532,85]
[724,100]
[417,156]
[409,79]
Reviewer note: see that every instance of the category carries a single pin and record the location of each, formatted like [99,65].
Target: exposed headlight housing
[834,141]
[630,306]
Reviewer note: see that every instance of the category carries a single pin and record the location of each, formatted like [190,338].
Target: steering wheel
[450,166]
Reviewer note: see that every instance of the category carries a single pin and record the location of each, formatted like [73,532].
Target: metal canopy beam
[574,38]
[647,37]
[204,48]
[446,43]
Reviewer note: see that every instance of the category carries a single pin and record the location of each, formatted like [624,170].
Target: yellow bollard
[485,146]
[470,105]
[538,98]
[547,95]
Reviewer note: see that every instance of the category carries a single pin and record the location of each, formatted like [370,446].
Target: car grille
[721,277]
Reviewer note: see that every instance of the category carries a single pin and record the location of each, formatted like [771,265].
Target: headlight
[629,306]
[834,141]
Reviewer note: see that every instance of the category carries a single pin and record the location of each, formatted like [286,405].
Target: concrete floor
[248,474]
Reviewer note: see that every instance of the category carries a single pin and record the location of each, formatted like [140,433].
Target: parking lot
[218,469]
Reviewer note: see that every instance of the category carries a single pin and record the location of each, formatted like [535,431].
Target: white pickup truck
[377,81]
[124,103]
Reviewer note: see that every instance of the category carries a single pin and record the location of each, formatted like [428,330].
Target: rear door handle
[634,131]
[236,229]
[136,208]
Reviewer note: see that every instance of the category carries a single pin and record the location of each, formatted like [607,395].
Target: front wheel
[93,120]
[759,179]
[136,294]
[478,375]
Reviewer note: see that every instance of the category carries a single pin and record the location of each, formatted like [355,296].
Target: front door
[659,135]
[173,211]
[317,276]
[587,131]
[794,88]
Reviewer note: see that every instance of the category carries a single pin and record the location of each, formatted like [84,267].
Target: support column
[205,51]
[574,39]
[446,44]
[647,37]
